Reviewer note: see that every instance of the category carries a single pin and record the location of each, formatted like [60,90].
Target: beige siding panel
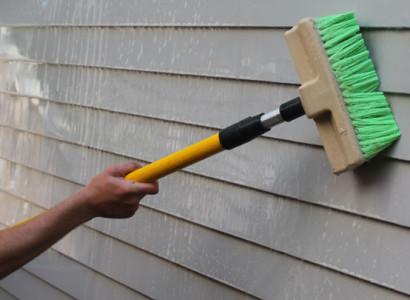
[287,167]
[78,280]
[300,230]
[270,285]
[24,285]
[266,13]
[6,295]
[208,102]
[251,54]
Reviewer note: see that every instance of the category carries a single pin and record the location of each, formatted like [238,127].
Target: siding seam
[166,73]
[45,281]
[8,293]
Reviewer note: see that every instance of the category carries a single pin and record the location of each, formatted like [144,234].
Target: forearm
[21,243]
[107,195]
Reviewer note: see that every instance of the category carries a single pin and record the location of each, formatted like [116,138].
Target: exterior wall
[85,84]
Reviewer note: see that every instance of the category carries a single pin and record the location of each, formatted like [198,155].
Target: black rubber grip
[291,110]
[241,132]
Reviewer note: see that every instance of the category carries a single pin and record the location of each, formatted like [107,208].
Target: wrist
[80,202]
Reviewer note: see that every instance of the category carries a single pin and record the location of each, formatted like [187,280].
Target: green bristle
[369,111]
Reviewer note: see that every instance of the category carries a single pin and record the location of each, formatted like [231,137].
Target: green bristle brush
[340,89]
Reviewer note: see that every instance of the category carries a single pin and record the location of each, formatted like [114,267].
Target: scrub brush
[340,89]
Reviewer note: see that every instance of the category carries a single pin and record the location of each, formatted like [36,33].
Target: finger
[143,188]
[124,169]
[156,186]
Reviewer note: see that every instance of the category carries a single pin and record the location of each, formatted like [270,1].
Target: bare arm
[107,195]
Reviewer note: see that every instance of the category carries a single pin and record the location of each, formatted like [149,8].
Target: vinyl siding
[6,295]
[87,84]
[24,285]
[78,280]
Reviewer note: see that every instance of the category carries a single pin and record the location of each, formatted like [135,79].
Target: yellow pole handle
[170,163]
[177,160]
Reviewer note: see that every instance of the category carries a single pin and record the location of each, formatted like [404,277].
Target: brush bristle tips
[368,108]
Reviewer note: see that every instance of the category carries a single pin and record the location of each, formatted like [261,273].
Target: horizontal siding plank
[78,280]
[43,281]
[24,285]
[123,262]
[5,295]
[266,13]
[176,98]
[314,234]
[253,54]
[289,165]
[273,270]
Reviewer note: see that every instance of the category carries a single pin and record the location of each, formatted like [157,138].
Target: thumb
[123,170]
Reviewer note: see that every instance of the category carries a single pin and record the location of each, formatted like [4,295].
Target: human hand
[109,195]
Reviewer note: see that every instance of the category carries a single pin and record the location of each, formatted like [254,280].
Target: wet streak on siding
[246,54]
